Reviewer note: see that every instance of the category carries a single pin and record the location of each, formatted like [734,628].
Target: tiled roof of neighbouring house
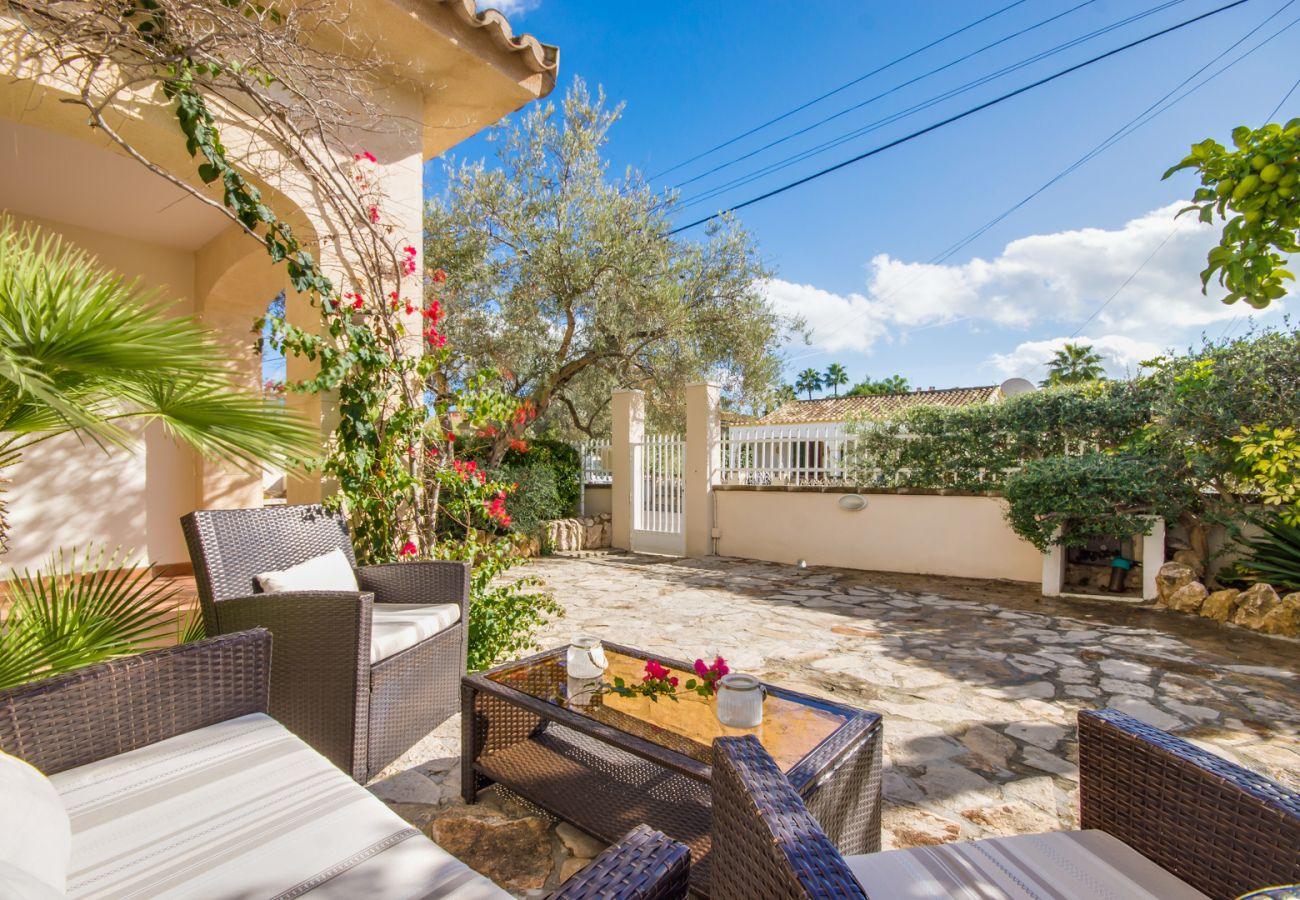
[878,406]
[538,57]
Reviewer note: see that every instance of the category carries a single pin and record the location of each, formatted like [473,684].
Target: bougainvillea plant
[659,681]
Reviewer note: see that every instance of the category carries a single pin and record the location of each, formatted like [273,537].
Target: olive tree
[565,280]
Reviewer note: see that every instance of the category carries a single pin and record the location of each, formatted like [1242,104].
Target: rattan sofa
[177,783]
[1175,819]
[324,686]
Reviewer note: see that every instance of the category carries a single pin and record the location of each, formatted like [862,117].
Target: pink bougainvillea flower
[374,215]
[409,549]
[700,668]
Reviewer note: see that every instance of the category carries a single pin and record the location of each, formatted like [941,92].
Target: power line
[1127,281]
[962,115]
[848,84]
[898,87]
[1284,99]
[902,114]
[1147,115]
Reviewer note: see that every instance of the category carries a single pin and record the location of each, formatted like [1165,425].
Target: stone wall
[579,533]
[1258,608]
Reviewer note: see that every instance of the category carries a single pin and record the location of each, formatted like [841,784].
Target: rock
[516,854]
[1145,712]
[1220,605]
[410,787]
[915,827]
[1254,605]
[1191,559]
[1188,599]
[1171,577]
[1040,734]
[988,746]
[578,842]
[1283,618]
[571,867]
[1040,759]
[1012,818]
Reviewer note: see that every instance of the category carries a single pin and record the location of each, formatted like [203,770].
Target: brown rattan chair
[112,708]
[1222,829]
[361,716]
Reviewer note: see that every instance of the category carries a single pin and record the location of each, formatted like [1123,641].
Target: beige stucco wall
[916,533]
[597,499]
[449,77]
[68,492]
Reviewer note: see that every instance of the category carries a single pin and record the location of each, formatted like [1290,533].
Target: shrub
[1090,496]
[565,465]
[503,614]
[535,499]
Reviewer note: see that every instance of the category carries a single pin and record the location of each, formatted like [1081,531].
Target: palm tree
[834,377]
[785,393]
[84,351]
[809,380]
[1074,364]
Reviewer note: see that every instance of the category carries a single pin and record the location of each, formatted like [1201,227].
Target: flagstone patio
[978,682]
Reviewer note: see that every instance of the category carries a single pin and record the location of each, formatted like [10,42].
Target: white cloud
[1065,278]
[510,8]
[1121,355]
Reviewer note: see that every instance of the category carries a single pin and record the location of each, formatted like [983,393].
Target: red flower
[519,446]
[374,215]
[451,436]
[654,670]
[673,681]
[409,549]
[700,668]
[439,276]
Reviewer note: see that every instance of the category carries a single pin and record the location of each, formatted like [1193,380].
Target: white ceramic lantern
[740,701]
[586,657]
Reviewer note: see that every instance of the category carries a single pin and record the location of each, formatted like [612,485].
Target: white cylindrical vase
[740,701]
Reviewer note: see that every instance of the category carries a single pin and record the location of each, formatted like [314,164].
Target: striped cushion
[1058,865]
[244,808]
[398,626]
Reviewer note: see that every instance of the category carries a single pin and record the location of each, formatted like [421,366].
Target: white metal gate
[658,495]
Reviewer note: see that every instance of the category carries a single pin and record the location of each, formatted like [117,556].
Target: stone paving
[979,683]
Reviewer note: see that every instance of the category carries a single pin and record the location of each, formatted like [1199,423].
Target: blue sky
[852,250]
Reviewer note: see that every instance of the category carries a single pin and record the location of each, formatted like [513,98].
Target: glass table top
[792,726]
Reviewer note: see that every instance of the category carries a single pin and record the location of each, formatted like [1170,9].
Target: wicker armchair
[105,710]
[1220,828]
[324,688]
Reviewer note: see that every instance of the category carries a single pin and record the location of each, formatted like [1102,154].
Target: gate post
[627,408]
[703,463]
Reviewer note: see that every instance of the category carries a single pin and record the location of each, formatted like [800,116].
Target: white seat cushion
[398,626]
[328,572]
[35,836]
[1057,865]
[244,808]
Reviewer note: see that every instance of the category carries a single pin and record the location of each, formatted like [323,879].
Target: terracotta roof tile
[539,57]
[878,406]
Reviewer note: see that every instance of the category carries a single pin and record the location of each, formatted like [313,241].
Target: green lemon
[1225,187]
[1290,178]
[1286,192]
[1259,162]
[1246,187]
[1253,216]
[1270,173]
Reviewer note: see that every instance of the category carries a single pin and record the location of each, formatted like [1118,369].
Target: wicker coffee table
[607,763]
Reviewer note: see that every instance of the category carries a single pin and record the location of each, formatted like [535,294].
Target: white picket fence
[659,484]
[817,455]
[595,462]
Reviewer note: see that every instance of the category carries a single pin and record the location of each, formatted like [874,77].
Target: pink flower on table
[654,671]
[673,681]
[700,668]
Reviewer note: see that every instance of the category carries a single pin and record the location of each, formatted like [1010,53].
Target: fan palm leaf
[82,350]
[75,612]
